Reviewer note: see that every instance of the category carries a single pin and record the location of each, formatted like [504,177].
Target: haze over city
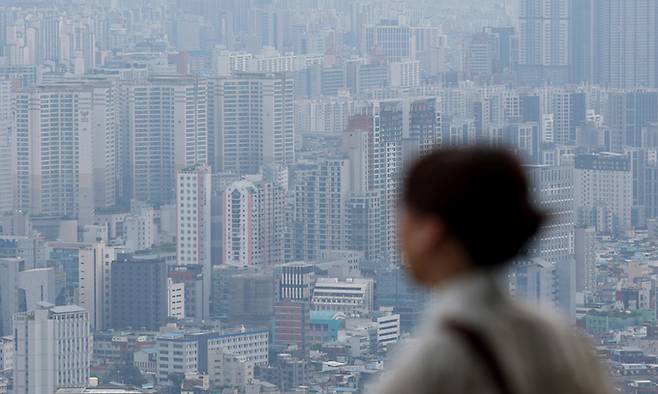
[202,196]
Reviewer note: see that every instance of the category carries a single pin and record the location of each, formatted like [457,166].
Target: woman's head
[464,209]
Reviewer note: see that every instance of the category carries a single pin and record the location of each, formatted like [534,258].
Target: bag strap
[483,351]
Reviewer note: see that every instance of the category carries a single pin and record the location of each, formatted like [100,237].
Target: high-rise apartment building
[7,177]
[363,227]
[569,110]
[387,131]
[53,348]
[166,130]
[544,41]
[241,242]
[254,216]
[615,42]
[320,190]
[193,204]
[64,150]
[626,43]
[627,113]
[254,122]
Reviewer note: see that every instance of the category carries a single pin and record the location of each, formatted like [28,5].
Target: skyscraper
[255,122]
[193,199]
[626,43]
[614,43]
[253,212]
[543,41]
[167,130]
[320,190]
[552,190]
[64,150]
[241,241]
[7,172]
[628,112]
[53,349]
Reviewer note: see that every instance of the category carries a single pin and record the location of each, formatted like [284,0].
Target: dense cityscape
[201,196]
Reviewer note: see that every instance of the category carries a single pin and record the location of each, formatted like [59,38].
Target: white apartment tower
[53,347]
[64,150]
[241,244]
[193,198]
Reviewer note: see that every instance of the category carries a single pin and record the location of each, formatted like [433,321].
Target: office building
[294,281]
[246,345]
[181,352]
[353,295]
[177,353]
[388,326]
[292,323]
[42,364]
[552,191]
[390,39]
[242,296]
[94,283]
[603,192]
[175,299]
[138,293]
[396,289]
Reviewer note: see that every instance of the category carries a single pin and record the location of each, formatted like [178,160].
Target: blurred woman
[465,215]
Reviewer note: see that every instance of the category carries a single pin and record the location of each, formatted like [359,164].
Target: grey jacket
[535,351]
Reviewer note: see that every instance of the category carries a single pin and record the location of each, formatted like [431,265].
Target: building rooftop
[67,309]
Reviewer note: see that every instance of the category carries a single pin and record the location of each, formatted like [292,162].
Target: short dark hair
[481,195]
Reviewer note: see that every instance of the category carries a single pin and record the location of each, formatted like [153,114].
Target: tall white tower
[193,198]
